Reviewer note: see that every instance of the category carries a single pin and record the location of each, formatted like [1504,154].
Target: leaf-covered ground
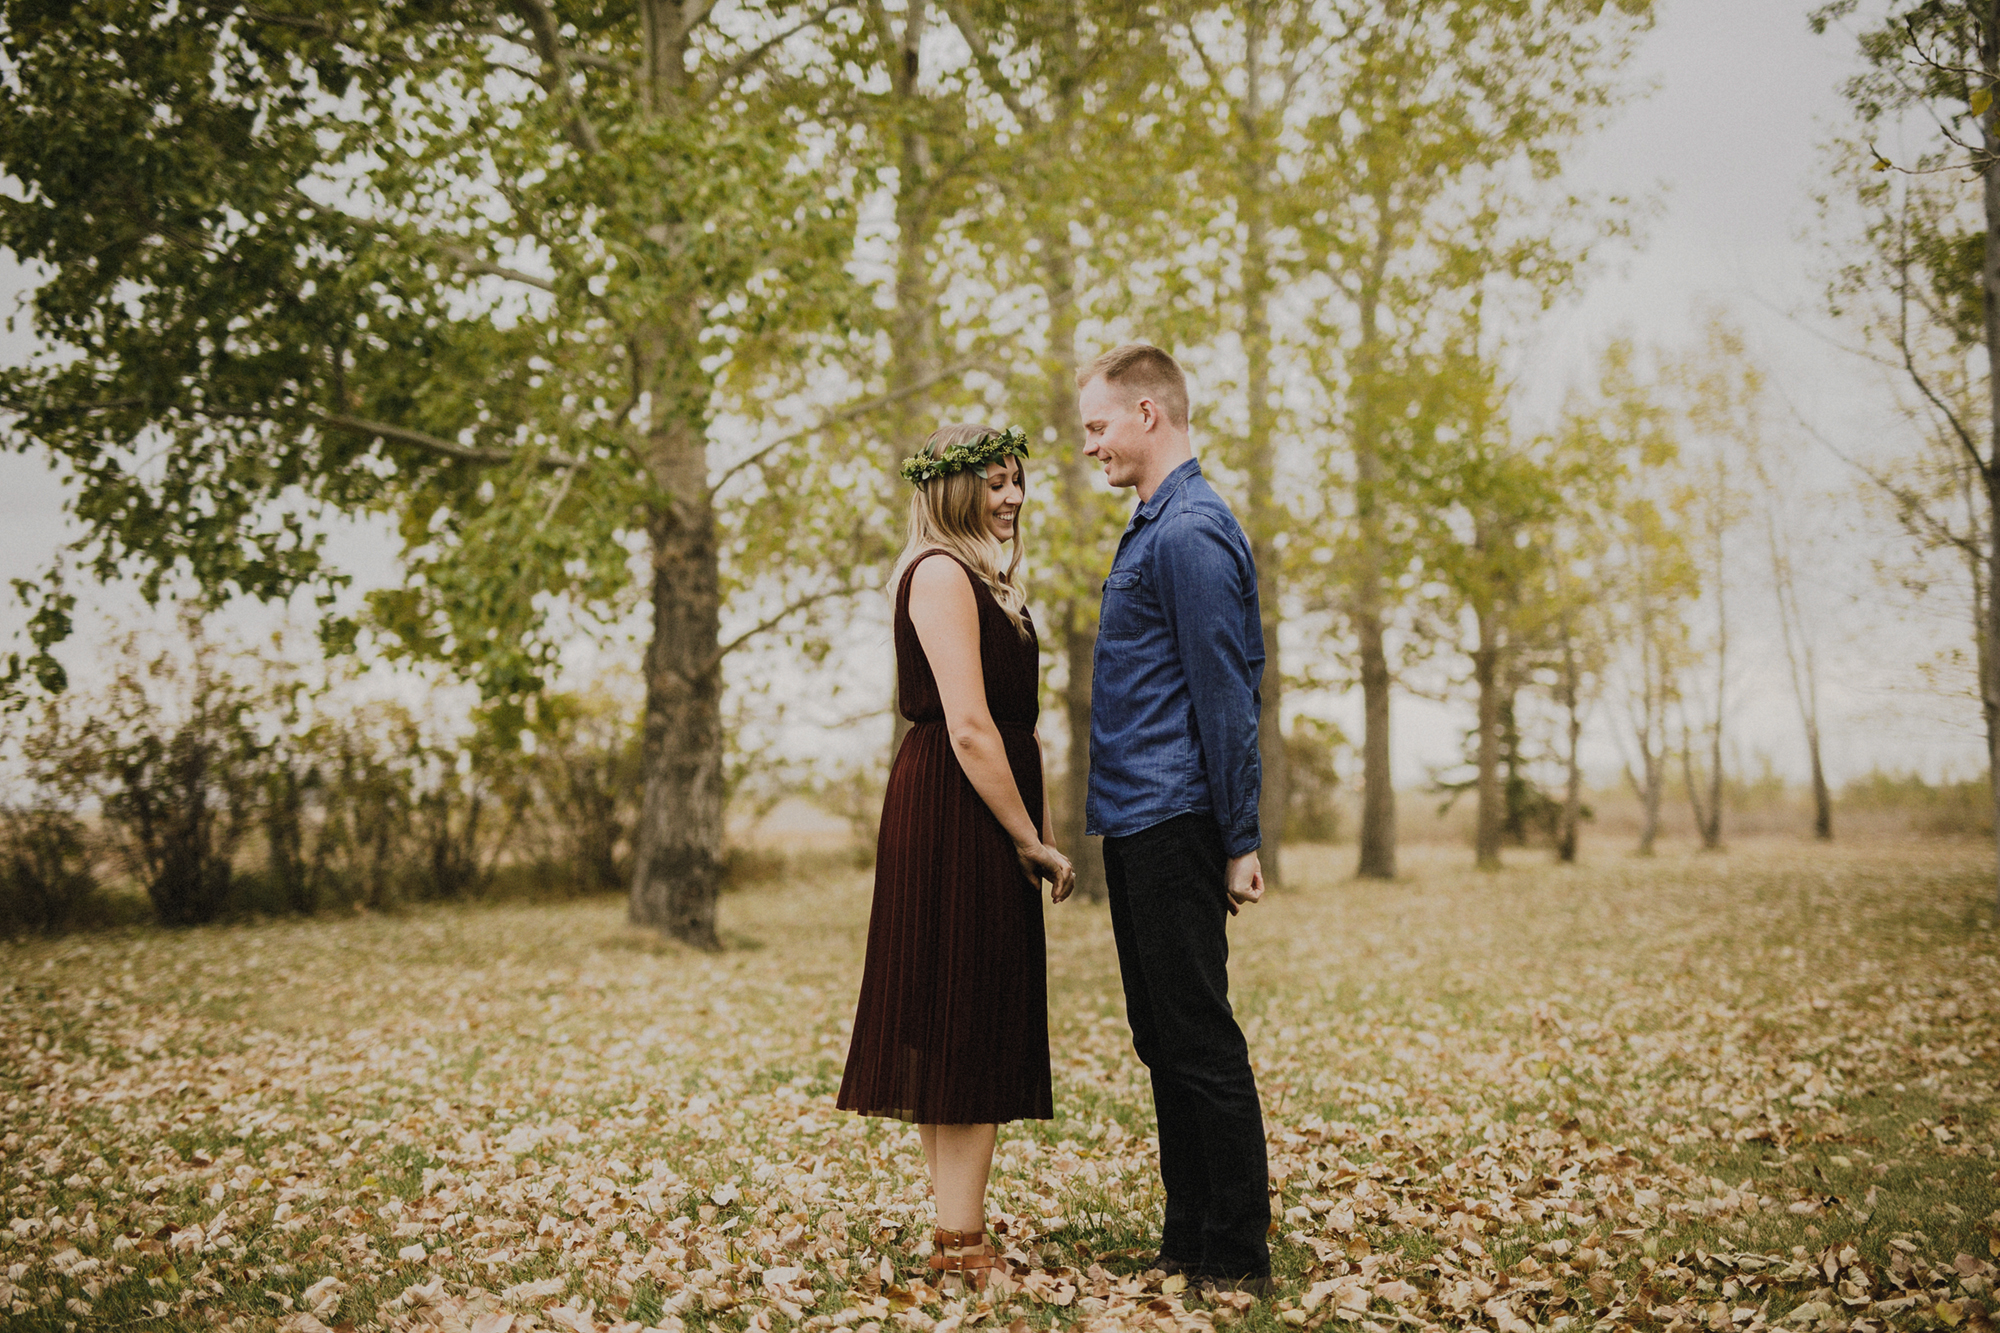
[1728,1091]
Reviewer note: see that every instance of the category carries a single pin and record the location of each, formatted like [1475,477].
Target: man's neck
[1163,467]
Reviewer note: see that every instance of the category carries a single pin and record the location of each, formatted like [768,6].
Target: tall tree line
[629,305]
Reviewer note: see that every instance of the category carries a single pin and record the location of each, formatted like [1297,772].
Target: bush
[200,760]
[169,751]
[1947,809]
[1313,748]
[46,883]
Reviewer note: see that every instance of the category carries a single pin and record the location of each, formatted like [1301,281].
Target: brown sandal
[973,1269]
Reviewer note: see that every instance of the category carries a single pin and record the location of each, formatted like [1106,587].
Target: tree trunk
[1989,675]
[1377,834]
[1572,809]
[1990,667]
[1649,800]
[1260,454]
[1076,614]
[679,838]
[1513,783]
[1654,691]
[1486,675]
[913,322]
[1805,676]
[1822,798]
[677,845]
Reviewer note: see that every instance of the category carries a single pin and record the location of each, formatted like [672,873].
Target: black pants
[1169,914]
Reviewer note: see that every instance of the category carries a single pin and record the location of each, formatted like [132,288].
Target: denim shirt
[1173,684]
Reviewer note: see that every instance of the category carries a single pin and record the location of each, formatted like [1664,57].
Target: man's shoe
[1167,1267]
[1260,1287]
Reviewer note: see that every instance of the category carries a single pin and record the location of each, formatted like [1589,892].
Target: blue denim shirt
[1173,685]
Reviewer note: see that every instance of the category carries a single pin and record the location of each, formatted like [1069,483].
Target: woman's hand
[1039,861]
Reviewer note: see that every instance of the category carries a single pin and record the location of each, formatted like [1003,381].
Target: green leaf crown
[1009,443]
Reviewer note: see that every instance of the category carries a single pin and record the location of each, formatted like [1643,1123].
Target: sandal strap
[943,1238]
[957,1240]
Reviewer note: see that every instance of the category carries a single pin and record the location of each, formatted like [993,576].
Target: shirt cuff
[1241,842]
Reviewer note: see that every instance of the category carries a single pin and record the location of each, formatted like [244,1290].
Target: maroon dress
[952,1027]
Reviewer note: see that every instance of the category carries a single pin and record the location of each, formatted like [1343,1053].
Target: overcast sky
[1728,139]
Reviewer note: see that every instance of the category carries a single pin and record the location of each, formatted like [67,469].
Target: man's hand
[1245,881]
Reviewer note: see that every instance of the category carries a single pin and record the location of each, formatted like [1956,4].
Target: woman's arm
[945,615]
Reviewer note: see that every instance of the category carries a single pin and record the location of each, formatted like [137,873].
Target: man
[1174,780]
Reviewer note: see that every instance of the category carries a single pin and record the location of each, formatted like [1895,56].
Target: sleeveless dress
[952,1027]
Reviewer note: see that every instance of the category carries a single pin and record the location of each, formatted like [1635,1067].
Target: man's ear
[1149,412]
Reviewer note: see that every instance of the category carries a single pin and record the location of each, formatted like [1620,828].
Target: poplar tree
[1438,128]
[1072,83]
[1922,278]
[492,270]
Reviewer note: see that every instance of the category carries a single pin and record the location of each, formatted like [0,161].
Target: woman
[952,1029]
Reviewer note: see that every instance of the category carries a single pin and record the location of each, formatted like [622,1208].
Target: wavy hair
[949,514]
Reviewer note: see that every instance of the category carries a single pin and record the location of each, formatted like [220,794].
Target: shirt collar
[1150,509]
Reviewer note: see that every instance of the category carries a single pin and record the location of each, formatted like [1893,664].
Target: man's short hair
[1142,370]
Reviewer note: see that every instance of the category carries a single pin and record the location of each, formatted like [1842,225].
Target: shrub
[46,883]
[1313,748]
[170,752]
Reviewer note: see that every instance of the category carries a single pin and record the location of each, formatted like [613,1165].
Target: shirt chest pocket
[1129,609]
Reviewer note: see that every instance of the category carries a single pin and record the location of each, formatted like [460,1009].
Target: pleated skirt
[952,1025]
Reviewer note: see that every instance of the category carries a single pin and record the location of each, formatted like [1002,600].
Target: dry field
[1731,1091]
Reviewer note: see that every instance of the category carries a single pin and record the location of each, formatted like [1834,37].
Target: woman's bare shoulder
[939,578]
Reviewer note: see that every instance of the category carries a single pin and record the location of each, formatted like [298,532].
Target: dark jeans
[1169,914]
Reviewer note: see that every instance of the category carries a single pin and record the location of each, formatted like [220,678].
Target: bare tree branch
[773,621]
[435,443]
[541,20]
[989,66]
[1917,377]
[860,409]
[587,59]
[744,63]
[107,405]
[336,420]
[472,263]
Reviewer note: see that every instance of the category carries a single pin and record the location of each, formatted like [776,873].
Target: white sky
[1729,142]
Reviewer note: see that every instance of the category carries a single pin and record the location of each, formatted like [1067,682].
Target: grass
[1725,1091]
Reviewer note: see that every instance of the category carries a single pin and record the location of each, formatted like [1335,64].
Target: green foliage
[1949,808]
[166,749]
[1314,751]
[46,880]
[295,266]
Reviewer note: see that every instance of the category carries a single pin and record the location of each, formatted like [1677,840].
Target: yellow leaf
[1174,1285]
[1981,101]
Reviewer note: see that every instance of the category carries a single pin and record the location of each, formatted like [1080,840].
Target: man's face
[1114,432]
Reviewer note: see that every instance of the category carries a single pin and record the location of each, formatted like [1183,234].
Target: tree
[1934,264]
[493,270]
[1722,399]
[1645,576]
[1071,80]
[1430,142]
[1510,538]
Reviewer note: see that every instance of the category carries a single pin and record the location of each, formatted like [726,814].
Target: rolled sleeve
[1208,592]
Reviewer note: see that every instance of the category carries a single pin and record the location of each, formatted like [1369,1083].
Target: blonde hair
[949,514]
[1141,370]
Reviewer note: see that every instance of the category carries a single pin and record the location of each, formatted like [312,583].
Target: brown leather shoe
[1261,1287]
[965,1255]
[1166,1267]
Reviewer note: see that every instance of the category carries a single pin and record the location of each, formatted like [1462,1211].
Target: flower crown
[1009,443]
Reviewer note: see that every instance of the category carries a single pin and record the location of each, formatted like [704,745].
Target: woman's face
[1003,497]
